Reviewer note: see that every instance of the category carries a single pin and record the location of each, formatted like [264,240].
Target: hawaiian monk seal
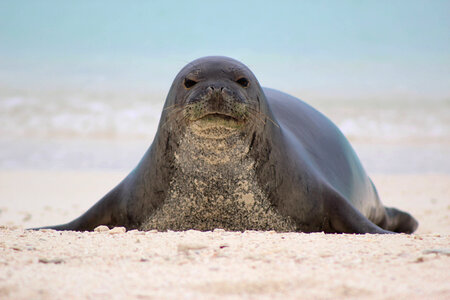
[230,154]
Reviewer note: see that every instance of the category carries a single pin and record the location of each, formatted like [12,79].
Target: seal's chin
[216,125]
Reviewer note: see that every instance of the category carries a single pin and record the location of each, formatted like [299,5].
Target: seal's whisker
[172,106]
[256,115]
[263,115]
[175,110]
[172,116]
[273,122]
[252,101]
[259,122]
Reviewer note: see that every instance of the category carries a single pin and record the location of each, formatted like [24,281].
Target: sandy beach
[214,265]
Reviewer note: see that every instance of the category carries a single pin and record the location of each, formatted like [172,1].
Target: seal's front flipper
[107,211]
[344,218]
[399,221]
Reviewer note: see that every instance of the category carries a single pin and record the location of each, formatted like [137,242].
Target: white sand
[215,265]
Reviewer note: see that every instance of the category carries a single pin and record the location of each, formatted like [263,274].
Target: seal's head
[215,92]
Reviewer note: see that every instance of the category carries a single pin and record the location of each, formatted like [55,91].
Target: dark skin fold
[303,163]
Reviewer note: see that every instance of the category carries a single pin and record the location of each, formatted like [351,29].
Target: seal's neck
[215,186]
[211,150]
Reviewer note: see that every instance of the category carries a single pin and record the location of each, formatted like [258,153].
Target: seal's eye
[243,81]
[188,83]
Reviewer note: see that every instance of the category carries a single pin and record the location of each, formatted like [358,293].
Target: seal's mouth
[216,124]
[218,117]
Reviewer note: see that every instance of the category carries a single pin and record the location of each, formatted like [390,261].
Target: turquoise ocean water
[82,83]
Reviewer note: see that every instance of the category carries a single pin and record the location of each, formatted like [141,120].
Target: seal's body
[230,154]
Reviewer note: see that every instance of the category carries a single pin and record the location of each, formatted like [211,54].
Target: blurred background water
[82,83]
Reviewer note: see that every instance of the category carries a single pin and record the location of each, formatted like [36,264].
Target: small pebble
[117,230]
[188,247]
[101,228]
[51,261]
[420,259]
[437,251]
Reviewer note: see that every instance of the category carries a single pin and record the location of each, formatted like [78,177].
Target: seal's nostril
[215,89]
[212,89]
